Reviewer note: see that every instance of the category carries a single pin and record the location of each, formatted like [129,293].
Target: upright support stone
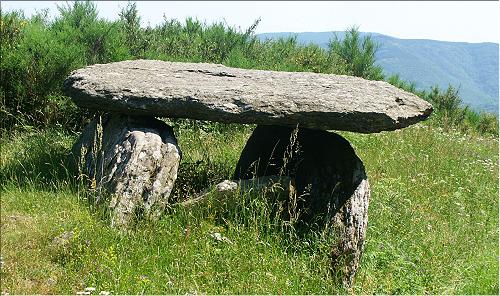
[132,161]
[349,225]
[330,181]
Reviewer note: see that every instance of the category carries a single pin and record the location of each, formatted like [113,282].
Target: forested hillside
[471,67]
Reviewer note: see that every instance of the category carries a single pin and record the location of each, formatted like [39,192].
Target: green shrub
[33,67]
[398,82]
[355,56]
[101,41]
[131,25]
[488,124]
[449,111]
[447,102]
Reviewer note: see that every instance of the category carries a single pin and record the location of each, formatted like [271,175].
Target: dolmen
[134,157]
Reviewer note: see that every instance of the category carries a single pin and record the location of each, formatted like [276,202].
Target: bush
[34,63]
[398,82]
[130,23]
[355,56]
[447,106]
[449,111]
[447,102]
[101,41]
[488,124]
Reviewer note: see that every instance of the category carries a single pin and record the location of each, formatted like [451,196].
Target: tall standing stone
[330,182]
[132,161]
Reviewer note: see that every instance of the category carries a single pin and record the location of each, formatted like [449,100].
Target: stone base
[330,182]
[132,161]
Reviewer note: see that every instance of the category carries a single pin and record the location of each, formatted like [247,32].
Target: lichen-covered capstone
[132,161]
[219,93]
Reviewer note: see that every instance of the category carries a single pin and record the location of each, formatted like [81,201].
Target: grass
[433,226]
[433,222]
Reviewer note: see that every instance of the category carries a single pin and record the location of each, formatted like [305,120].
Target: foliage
[407,86]
[354,56]
[33,63]
[449,111]
[434,213]
[130,22]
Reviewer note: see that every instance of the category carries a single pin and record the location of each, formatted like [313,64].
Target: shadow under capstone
[331,185]
[321,163]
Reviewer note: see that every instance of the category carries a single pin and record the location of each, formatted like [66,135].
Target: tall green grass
[433,222]
[433,225]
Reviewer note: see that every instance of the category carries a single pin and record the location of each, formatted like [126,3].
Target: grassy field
[433,223]
[433,216]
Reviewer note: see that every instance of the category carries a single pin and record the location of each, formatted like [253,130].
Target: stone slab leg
[131,162]
[330,183]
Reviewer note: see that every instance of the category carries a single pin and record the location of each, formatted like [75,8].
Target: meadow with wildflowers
[433,215]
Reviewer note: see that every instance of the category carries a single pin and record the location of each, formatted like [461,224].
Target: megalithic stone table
[135,157]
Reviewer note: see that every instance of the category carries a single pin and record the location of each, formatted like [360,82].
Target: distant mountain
[473,67]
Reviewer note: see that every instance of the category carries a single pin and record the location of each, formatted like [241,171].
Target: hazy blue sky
[472,21]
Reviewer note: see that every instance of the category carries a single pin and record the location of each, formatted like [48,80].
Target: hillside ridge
[471,67]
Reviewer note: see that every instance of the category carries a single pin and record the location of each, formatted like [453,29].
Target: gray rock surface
[229,187]
[132,161]
[219,93]
[330,183]
[349,226]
